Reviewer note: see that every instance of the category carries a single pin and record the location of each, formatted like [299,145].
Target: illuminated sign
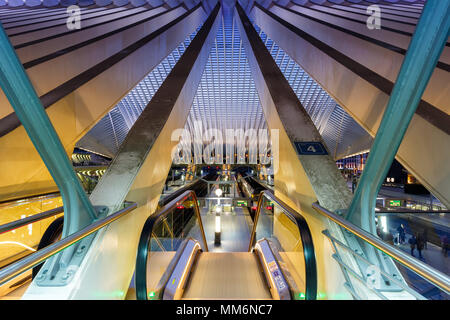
[395,203]
[310,148]
[241,203]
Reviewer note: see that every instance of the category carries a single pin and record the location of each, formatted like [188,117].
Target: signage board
[310,148]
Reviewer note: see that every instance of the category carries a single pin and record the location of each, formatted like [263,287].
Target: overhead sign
[310,148]
[395,203]
[241,203]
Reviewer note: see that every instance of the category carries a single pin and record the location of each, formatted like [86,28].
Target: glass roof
[107,135]
[342,135]
[226,98]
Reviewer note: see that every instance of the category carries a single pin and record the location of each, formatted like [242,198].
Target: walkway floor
[432,256]
[235,230]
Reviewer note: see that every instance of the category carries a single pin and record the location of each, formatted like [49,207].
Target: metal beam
[23,98]
[275,92]
[420,61]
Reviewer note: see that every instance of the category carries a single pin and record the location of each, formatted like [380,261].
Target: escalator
[174,263]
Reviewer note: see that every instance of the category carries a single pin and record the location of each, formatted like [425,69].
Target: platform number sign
[310,148]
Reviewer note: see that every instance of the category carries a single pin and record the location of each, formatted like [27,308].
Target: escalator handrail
[30,198]
[30,261]
[31,219]
[429,273]
[146,235]
[305,236]
[258,184]
[171,196]
[186,187]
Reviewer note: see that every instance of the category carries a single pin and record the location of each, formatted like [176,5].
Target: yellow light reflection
[19,244]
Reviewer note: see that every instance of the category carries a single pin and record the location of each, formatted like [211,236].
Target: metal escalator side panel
[278,286]
[174,288]
[157,293]
[296,258]
[294,287]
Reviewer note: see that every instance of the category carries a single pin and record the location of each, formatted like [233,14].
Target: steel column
[424,51]
[23,98]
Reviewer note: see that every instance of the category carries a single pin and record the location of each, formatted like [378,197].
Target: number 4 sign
[310,148]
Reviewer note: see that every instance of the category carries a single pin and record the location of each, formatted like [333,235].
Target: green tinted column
[423,53]
[78,211]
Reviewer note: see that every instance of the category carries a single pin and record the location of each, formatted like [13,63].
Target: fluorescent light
[218,224]
[383,222]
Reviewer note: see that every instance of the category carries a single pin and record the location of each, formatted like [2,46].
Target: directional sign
[241,203]
[395,203]
[310,148]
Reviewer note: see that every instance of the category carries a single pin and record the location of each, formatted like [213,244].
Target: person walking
[412,243]
[445,245]
[401,233]
[419,244]
[354,183]
[425,238]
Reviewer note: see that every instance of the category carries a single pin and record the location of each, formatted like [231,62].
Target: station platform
[397,193]
[432,256]
[235,230]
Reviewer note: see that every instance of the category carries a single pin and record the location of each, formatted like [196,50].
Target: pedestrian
[396,238]
[445,245]
[412,243]
[419,244]
[401,233]
[354,182]
[425,238]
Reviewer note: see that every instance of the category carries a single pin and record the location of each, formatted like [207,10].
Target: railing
[432,275]
[16,268]
[167,232]
[34,218]
[296,240]
[378,292]
[418,213]
[193,185]
[28,199]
